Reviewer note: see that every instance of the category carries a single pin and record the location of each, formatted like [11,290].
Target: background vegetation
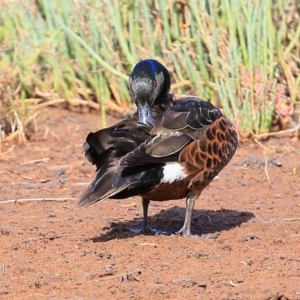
[242,55]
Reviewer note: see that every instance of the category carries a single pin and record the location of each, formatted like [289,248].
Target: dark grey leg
[146,228]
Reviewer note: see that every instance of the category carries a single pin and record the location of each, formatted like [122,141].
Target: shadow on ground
[205,222]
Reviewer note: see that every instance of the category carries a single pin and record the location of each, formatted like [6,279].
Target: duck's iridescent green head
[149,82]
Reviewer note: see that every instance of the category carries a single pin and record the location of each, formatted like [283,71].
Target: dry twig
[35,161]
[266,157]
[121,275]
[277,133]
[233,284]
[8,154]
[34,199]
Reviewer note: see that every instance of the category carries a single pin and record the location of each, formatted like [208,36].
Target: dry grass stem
[8,154]
[278,133]
[35,199]
[266,158]
[36,161]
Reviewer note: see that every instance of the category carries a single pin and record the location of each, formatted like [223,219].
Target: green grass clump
[241,55]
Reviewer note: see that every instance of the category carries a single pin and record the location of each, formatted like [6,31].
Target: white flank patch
[173,171]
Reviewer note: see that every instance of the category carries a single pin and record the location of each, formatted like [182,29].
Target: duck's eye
[154,83]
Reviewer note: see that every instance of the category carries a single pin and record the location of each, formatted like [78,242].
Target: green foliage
[241,55]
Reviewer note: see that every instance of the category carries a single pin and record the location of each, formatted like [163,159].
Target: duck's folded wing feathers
[178,126]
[159,149]
[193,113]
[104,148]
[166,146]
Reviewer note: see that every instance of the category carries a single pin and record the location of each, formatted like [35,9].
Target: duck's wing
[190,115]
[118,140]
[184,122]
[97,142]
[105,148]
[192,140]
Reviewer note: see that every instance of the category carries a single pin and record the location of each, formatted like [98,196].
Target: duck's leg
[186,228]
[146,228]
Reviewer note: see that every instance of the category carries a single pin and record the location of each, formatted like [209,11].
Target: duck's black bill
[145,114]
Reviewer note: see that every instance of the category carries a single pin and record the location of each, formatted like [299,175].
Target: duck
[170,149]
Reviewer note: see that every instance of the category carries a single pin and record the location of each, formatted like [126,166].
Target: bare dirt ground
[249,244]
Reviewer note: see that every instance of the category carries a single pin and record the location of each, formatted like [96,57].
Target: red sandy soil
[249,244]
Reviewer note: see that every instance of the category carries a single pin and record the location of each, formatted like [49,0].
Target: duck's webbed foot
[184,231]
[146,229]
[149,230]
